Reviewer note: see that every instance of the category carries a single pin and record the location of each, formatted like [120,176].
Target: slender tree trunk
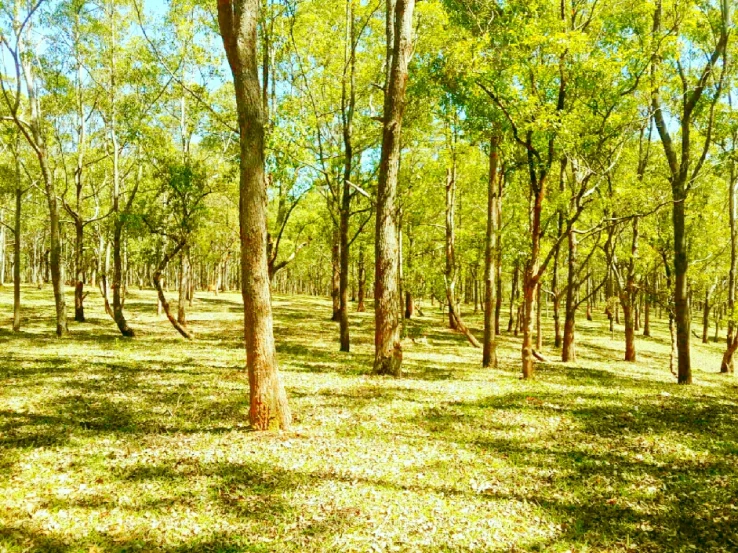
[17,252]
[489,349]
[681,299]
[362,281]
[55,257]
[513,298]
[529,291]
[79,293]
[2,247]
[727,364]
[336,274]
[183,287]
[568,350]
[647,308]
[118,314]
[348,102]
[539,330]
[238,22]
[388,349]
[706,318]
[450,273]
[157,279]
[628,315]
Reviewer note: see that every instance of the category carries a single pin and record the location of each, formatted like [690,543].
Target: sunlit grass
[108,444]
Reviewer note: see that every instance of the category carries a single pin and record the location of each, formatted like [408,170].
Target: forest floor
[111,444]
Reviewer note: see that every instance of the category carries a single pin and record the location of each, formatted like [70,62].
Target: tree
[387,346]
[21,91]
[238,22]
[683,168]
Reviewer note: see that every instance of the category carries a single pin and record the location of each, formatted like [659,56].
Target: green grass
[108,444]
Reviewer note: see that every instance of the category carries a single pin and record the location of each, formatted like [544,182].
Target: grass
[108,444]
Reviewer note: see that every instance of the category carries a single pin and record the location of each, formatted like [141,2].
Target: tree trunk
[388,350]
[681,299]
[628,315]
[183,287]
[647,310]
[513,298]
[529,291]
[362,281]
[336,274]
[55,257]
[409,305]
[489,350]
[727,364]
[706,318]
[539,330]
[118,315]
[17,252]
[79,295]
[2,247]
[238,22]
[157,281]
[568,350]
[348,102]
[449,277]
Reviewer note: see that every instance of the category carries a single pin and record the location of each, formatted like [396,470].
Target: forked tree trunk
[388,349]
[681,172]
[450,278]
[157,280]
[55,259]
[118,315]
[238,22]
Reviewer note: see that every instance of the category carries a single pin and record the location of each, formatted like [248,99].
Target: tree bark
[388,349]
[238,22]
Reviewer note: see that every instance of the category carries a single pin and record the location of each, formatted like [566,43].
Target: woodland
[368,275]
